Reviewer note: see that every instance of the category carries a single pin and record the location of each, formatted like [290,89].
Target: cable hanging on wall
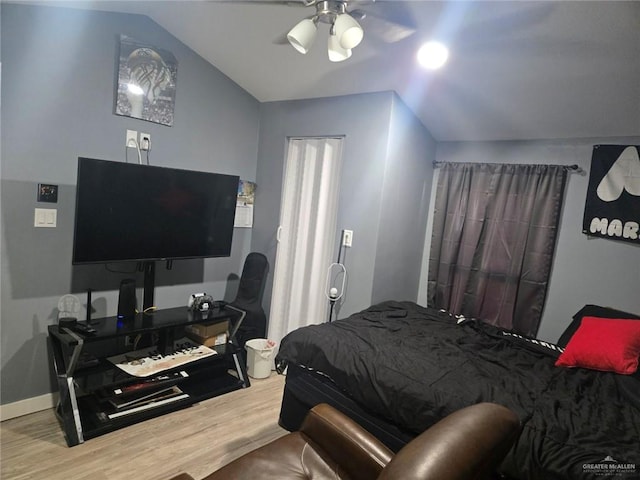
[133,143]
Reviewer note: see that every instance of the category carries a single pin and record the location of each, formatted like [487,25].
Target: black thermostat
[47,193]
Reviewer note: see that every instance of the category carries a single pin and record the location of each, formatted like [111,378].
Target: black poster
[612,208]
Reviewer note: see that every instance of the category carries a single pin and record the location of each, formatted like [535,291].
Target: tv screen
[127,212]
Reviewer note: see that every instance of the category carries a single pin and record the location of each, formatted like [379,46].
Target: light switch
[45,217]
[51,217]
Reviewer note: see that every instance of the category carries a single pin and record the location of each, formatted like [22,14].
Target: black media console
[93,389]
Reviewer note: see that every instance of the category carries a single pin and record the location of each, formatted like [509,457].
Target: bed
[397,368]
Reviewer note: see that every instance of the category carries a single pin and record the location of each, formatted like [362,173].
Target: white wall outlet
[131,139]
[145,141]
[347,238]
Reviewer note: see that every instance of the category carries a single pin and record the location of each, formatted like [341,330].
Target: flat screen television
[134,212]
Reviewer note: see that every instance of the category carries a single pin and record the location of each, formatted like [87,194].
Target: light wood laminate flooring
[197,440]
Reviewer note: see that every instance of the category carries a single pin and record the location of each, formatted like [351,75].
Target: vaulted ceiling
[517,69]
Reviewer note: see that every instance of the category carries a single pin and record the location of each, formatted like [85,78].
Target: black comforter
[413,366]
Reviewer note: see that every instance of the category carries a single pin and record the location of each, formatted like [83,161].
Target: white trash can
[259,357]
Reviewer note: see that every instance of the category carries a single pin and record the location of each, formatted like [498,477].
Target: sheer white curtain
[306,234]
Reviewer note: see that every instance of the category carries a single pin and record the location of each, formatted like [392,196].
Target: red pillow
[610,345]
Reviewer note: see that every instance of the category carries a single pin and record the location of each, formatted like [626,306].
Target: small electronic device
[127,299]
[66,322]
[193,298]
[83,328]
[201,302]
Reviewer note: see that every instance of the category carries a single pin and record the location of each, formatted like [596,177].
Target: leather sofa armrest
[360,453]
[468,444]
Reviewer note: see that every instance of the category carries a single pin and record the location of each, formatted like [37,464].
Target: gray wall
[405,202]
[585,270]
[373,170]
[59,69]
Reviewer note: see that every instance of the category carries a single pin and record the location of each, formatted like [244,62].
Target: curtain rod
[574,168]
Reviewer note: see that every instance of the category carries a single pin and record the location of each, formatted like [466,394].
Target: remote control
[84,328]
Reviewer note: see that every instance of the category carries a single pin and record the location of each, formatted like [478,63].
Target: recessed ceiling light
[433,55]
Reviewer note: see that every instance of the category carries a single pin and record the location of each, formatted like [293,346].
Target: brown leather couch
[468,444]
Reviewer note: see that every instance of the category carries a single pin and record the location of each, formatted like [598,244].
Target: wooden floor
[196,440]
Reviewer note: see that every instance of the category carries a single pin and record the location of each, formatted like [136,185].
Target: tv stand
[89,404]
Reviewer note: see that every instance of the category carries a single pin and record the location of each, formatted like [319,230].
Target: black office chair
[249,298]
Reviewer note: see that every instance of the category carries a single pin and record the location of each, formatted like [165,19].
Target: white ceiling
[517,70]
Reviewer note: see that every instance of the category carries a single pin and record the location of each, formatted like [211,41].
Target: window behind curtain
[494,234]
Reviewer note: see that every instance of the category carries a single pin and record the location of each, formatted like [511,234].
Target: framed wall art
[146,82]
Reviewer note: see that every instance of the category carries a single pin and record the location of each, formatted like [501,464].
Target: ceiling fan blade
[387,30]
[289,3]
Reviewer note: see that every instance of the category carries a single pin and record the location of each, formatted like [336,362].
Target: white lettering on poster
[615,228]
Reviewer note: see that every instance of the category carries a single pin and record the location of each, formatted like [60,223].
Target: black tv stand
[87,380]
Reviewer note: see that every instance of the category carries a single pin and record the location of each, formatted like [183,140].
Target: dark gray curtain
[494,234]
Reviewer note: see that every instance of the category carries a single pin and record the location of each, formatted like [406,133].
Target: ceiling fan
[345,31]
[393,20]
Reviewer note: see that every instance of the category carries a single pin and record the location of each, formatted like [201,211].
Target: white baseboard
[29,405]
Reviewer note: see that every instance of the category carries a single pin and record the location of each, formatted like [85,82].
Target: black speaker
[127,300]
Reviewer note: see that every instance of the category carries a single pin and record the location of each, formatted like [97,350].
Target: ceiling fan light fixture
[301,36]
[335,50]
[348,31]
